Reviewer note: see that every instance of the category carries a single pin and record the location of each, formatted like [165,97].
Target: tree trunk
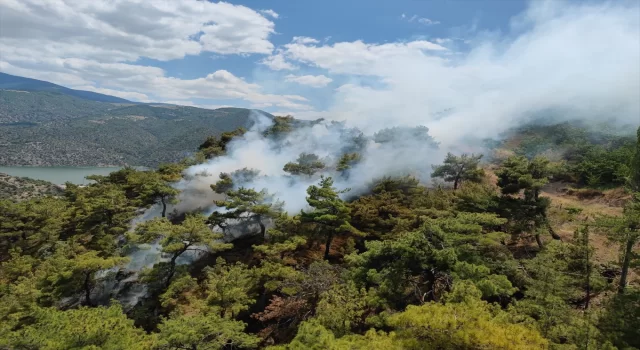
[87,289]
[539,241]
[455,183]
[328,246]
[164,207]
[172,265]
[263,229]
[553,233]
[626,260]
[585,239]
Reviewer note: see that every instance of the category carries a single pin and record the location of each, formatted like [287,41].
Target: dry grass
[571,209]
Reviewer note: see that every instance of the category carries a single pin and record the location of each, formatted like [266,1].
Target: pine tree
[517,175]
[634,179]
[306,164]
[330,213]
[83,328]
[248,205]
[624,231]
[177,239]
[458,169]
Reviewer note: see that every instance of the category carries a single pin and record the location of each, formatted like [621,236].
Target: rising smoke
[561,61]
[401,152]
[570,59]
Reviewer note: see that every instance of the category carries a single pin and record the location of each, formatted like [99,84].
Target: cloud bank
[562,60]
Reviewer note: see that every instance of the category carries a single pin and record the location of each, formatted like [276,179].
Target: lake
[57,175]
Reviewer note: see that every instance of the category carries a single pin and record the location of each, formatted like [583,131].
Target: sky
[370,62]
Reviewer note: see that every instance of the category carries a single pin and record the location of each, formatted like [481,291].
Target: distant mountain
[50,128]
[13,82]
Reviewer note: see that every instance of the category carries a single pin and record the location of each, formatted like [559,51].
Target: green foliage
[281,126]
[245,204]
[603,167]
[406,136]
[595,157]
[529,212]
[634,178]
[417,266]
[411,267]
[619,322]
[215,146]
[346,162]
[342,308]
[518,173]
[230,288]
[549,289]
[177,239]
[100,213]
[624,231]
[203,331]
[330,214]
[312,335]
[69,272]
[471,324]
[306,164]
[33,226]
[84,328]
[459,169]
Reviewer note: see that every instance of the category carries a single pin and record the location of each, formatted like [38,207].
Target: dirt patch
[570,211]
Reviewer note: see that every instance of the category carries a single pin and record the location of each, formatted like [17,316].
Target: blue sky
[367,62]
[370,21]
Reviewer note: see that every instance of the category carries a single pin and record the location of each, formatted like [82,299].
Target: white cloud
[148,81]
[270,13]
[93,45]
[304,40]
[310,80]
[427,21]
[421,20]
[278,62]
[441,41]
[356,57]
[128,95]
[193,104]
[128,29]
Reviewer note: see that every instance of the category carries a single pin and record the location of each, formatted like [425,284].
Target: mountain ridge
[18,83]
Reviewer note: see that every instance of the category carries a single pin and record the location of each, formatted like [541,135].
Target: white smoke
[565,60]
[328,141]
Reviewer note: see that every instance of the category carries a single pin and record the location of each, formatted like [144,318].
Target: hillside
[520,255]
[23,188]
[49,128]
[12,82]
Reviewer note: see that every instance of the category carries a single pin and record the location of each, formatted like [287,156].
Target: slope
[13,82]
[46,128]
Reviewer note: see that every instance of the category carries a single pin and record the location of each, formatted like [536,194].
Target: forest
[530,244]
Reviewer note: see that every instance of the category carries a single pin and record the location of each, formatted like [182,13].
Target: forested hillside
[514,249]
[53,129]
